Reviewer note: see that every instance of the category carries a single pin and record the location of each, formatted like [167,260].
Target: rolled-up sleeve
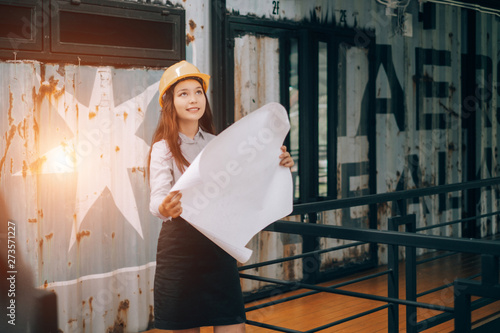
[160,177]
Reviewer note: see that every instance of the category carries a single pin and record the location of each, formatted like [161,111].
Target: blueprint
[235,187]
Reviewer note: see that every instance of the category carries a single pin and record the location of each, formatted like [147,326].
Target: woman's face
[189,100]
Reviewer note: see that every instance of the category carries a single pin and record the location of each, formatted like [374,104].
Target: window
[326,83]
[18,26]
[100,32]
[322,119]
[331,139]
[323,76]
[293,93]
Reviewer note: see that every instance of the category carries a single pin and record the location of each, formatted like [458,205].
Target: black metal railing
[488,288]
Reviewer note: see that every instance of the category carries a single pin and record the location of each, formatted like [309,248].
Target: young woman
[196,282]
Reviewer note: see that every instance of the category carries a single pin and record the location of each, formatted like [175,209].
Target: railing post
[488,287]
[489,269]
[411,278]
[409,221]
[462,309]
[393,279]
[310,263]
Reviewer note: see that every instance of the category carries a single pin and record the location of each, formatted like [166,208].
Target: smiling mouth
[193,110]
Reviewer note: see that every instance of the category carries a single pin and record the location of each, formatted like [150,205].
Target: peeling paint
[192,25]
[151,317]
[81,234]
[189,38]
[48,88]
[141,170]
[25,169]
[36,167]
[8,140]
[121,318]
[21,130]
[11,105]
[90,305]
[124,305]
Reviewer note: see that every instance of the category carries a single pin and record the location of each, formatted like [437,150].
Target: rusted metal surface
[352,153]
[68,127]
[197,31]
[74,139]
[420,105]
[487,98]
[256,83]
[256,66]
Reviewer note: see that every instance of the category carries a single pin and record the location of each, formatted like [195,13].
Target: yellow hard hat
[178,71]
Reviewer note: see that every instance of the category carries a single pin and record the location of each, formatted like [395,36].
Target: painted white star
[103,148]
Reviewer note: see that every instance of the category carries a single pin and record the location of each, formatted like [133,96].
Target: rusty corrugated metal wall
[487,116]
[256,84]
[419,106]
[72,177]
[91,239]
[74,141]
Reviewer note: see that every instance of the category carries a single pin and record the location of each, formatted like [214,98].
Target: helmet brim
[204,77]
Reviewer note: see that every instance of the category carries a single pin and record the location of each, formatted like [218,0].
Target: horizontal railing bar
[271,327]
[298,256]
[433,290]
[360,279]
[363,236]
[390,196]
[344,320]
[441,256]
[279,301]
[438,225]
[457,221]
[349,293]
[444,317]
[444,286]
[389,237]
[294,297]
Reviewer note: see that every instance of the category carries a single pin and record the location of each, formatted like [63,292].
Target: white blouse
[163,171]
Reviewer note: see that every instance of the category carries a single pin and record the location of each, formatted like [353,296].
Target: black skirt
[196,282]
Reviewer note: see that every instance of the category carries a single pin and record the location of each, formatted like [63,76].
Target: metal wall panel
[256,65]
[352,153]
[421,106]
[425,68]
[90,237]
[487,116]
[256,83]
[73,148]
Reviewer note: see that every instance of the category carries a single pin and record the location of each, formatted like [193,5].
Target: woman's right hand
[171,205]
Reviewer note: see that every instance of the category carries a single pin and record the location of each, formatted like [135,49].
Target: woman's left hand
[285,159]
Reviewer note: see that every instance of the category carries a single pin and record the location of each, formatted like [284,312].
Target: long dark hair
[168,126]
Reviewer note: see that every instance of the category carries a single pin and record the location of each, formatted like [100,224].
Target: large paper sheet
[235,187]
